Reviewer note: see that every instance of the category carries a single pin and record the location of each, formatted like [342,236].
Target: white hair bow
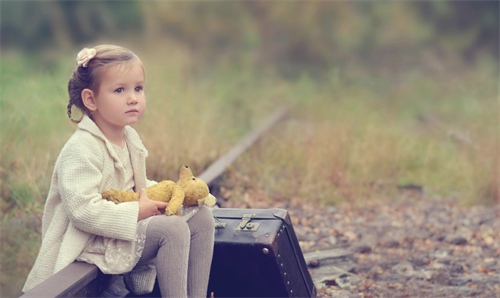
[84,56]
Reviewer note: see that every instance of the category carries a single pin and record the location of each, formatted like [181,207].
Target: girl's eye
[138,89]
[119,90]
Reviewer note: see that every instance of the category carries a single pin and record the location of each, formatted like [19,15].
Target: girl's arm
[79,173]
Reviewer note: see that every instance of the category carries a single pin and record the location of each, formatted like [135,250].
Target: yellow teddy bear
[188,191]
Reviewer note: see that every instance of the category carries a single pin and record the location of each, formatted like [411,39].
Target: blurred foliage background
[293,36]
[384,96]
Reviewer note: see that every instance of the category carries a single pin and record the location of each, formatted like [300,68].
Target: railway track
[80,279]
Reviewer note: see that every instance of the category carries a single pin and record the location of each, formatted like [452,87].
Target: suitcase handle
[246,225]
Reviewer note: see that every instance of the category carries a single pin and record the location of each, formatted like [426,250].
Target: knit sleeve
[80,172]
[150,182]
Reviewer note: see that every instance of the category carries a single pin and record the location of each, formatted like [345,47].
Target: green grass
[351,137]
[19,245]
[351,142]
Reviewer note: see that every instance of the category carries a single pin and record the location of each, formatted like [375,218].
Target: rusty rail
[80,279]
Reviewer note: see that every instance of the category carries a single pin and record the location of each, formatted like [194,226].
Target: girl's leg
[167,239]
[202,229]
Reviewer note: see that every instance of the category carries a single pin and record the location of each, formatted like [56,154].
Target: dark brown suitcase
[257,254]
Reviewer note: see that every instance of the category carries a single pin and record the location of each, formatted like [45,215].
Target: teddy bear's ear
[185,172]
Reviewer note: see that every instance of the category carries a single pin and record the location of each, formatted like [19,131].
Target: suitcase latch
[219,224]
[246,225]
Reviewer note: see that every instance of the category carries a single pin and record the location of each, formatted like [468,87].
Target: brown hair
[89,77]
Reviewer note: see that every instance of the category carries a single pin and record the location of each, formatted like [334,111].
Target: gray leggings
[183,251]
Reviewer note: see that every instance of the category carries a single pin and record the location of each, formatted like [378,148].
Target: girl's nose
[132,99]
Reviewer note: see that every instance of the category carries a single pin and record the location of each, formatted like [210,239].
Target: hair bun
[84,56]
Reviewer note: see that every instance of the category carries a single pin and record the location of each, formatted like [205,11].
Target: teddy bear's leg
[118,196]
[176,201]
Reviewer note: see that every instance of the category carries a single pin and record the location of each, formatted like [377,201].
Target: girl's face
[120,100]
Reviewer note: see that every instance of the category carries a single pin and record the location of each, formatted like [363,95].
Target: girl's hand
[149,207]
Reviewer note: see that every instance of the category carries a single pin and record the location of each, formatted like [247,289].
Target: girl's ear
[88,99]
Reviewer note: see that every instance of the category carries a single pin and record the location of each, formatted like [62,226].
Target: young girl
[106,153]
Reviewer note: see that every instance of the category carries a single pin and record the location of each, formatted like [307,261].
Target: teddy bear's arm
[176,201]
[119,196]
[162,191]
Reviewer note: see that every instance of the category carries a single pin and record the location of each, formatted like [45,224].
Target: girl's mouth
[132,111]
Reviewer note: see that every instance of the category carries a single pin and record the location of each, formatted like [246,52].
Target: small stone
[344,294]
[416,261]
[492,280]
[456,239]
[362,267]
[375,272]
[477,254]
[394,278]
[457,268]
[454,291]
[389,262]
[332,240]
[438,254]
[314,263]
[446,261]
[442,277]
[364,249]
[421,234]
[439,237]
[390,244]
[347,281]
[403,268]
[325,278]
[426,274]
[350,235]
[438,266]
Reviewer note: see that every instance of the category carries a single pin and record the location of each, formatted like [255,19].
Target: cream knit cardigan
[75,212]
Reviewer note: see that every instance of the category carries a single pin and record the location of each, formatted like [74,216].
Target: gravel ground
[416,247]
